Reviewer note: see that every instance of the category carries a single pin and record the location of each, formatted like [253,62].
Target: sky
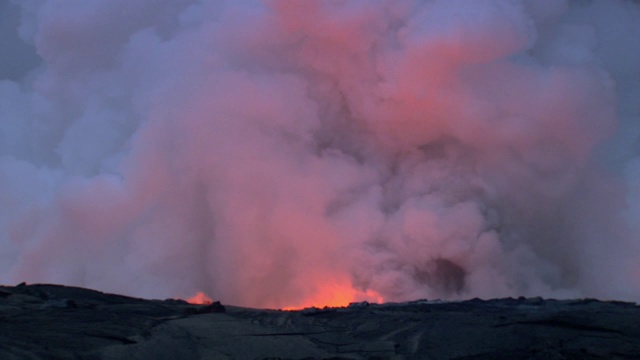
[283,153]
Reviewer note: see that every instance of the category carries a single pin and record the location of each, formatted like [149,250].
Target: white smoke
[255,150]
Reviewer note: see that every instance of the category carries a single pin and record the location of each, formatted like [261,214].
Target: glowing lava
[336,295]
[200,299]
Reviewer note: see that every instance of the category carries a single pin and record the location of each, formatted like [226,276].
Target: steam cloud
[264,151]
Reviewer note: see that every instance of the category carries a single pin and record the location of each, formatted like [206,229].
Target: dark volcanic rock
[216,307]
[58,322]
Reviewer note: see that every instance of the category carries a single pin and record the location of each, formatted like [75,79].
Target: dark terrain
[57,322]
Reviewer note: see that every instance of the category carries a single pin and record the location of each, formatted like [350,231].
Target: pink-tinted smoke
[286,153]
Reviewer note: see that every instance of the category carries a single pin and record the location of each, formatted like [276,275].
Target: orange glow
[336,295]
[200,299]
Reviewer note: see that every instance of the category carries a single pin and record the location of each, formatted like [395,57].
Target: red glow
[336,295]
[200,299]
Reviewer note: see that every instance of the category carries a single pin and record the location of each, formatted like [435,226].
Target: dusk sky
[285,153]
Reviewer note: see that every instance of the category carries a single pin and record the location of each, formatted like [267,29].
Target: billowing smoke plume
[274,152]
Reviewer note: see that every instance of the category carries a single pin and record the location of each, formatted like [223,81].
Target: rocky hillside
[58,322]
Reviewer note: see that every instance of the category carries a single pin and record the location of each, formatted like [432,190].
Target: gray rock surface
[58,322]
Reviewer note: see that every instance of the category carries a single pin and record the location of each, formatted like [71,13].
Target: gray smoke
[281,152]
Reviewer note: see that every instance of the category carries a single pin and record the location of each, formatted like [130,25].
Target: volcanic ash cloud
[283,153]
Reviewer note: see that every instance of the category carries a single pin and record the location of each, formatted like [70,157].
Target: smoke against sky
[279,153]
